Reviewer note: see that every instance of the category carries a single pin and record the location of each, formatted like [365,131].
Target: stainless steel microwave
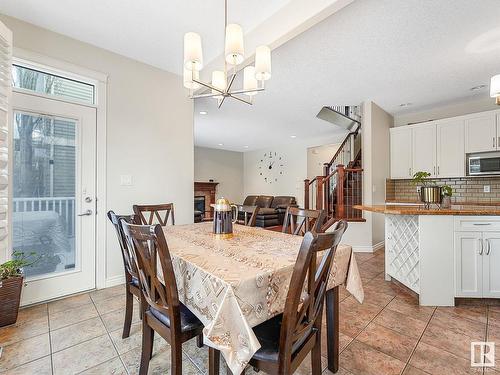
[485,163]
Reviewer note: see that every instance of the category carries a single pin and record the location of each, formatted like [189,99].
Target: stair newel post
[306,194]
[319,192]
[326,169]
[340,211]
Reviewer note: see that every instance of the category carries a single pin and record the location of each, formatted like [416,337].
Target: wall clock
[271,167]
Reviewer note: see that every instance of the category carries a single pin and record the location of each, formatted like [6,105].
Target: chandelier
[221,85]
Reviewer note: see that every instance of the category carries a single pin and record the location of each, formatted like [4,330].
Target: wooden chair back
[151,251]
[160,212]
[127,255]
[306,294]
[299,221]
[249,214]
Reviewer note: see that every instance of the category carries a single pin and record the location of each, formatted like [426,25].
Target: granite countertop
[420,210]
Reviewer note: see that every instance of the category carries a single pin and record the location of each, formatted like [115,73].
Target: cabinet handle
[409,171]
[438,169]
[488,247]
[482,223]
[481,249]
[498,141]
[493,142]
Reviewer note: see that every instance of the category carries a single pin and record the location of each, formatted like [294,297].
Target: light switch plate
[486,189]
[126,180]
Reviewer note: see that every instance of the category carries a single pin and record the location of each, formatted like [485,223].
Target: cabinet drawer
[477,223]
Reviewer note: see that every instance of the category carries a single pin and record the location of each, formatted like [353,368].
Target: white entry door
[53,194]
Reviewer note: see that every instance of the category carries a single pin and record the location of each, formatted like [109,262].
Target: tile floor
[388,334]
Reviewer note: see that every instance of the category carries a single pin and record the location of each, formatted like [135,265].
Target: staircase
[341,186]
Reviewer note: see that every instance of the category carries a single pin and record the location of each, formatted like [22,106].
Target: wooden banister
[319,192]
[306,193]
[339,212]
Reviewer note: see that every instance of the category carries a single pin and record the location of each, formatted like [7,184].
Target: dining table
[234,283]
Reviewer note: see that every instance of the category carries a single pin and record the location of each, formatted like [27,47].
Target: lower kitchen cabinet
[477,264]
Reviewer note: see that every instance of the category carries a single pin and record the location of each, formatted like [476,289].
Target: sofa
[271,209]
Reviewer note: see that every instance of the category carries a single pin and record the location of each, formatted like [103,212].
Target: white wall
[483,103]
[224,167]
[317,156]
[376,122]
[149,129]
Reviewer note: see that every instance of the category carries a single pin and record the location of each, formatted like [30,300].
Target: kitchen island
[443,254]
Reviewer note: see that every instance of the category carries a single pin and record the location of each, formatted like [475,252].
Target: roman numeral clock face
[271,167]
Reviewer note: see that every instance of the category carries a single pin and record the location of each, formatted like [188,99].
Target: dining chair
[162,311]
[160,212]
[288,338]
[248,215]
[132,287]
[299,221]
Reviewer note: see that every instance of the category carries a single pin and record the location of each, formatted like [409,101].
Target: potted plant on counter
[430,193]
[11,284]
[447,193]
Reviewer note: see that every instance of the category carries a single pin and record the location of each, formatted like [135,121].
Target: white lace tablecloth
[234,284]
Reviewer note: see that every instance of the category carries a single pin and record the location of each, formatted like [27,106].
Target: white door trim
[101,80]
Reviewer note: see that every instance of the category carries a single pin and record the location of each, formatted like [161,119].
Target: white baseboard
[115,280]
[368,249]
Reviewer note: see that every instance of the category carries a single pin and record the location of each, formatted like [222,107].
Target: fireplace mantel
[208,190]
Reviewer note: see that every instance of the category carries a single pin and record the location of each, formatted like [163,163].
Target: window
[50,84]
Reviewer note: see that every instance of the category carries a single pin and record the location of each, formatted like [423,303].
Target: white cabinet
[481,133]
[468,264]
[491,265]
[450,148]
[424,148]
[477,264]
[401,152]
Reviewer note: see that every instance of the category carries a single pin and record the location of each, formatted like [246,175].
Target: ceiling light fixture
[203,113]
[293,136]
[245,146]
[478,87]
[221,144]
[405,104]
[495,88]
[220,86]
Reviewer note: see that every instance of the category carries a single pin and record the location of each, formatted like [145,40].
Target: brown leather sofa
[271,209]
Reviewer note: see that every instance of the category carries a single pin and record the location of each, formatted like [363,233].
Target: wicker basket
[10,295]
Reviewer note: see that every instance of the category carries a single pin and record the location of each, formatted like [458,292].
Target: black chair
[299,221]
[247,215]
[160,212]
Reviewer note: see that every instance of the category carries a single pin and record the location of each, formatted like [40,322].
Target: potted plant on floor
[447,193]
[11,283]
[430,193]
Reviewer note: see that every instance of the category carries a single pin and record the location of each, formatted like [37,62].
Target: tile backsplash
[467,189]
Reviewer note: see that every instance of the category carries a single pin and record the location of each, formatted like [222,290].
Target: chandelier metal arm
[207,85]
[208,95]
[231,80]
[240,99]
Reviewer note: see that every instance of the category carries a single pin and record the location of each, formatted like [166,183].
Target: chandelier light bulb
[263,63]
[193,55]
[249,80]
[495,88]
[188,79]
[218,81]
[234,51]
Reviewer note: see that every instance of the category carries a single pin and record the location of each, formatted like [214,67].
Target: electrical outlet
[486,189]
[126,180]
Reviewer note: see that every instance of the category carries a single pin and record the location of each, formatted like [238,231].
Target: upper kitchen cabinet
[401,158]
[424,148]
[481,133]
[450,148]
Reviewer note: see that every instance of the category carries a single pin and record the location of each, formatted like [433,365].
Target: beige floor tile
[106,293]
[344,340]
[355,316]
[131,342]
[24,351]
[376,298]
[368,270]
[475,313]
[160,363]
[67,317]
[400,323]
[111,367]
[33,312]
[114,320]
[388,341]
[382,286]
[436,361]
[24,329]
[361,359]
[42,366]
[494,315]
[69,303]
[410,307]
[106,306]
[199,356]
[76,333]
[363,257]
[83,356]
[410,370]
[461,325]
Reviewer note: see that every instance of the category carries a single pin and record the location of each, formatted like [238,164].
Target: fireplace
[199,203]
[204,196]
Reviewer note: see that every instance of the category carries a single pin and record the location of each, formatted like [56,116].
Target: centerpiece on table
[225,214]
[11,284]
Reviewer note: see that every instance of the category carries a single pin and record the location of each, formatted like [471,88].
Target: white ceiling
[150,31]
[390,51]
